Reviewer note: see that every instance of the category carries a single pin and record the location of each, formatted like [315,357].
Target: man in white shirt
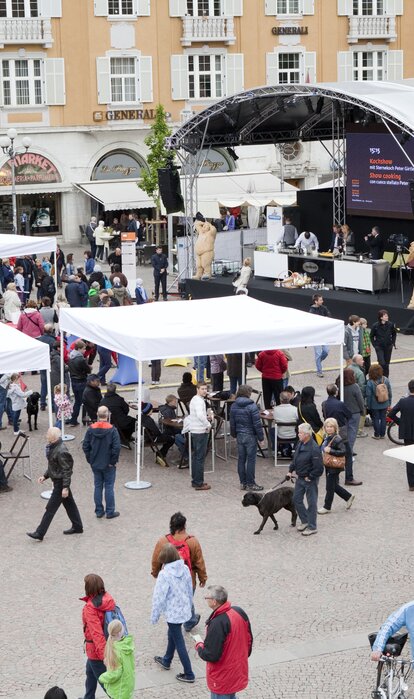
[199,426]
[307,241]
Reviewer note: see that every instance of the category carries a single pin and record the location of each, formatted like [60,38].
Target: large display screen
[378,175]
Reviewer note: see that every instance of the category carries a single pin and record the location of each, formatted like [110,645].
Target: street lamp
[7,146]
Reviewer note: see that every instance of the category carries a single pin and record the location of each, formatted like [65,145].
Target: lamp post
[7,146]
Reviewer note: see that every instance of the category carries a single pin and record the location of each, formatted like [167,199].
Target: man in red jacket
[226,647]
[272,364]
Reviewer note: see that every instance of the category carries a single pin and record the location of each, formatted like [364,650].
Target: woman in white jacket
[173,597]
[244,275]
[12,303]
[18,400]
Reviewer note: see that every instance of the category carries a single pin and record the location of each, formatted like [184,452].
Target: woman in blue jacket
[377,408]
[173,597]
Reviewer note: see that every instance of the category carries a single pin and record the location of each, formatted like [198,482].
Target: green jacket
[359,378]
[120,683]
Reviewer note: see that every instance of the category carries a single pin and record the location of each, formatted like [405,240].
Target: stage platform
[340,303]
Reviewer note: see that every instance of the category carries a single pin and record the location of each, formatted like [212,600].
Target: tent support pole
[341,374]
[244,379]
[170,243]
[49,398]
[138,484]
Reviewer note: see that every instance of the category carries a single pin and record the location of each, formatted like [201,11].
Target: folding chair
[285,440]
[16,452]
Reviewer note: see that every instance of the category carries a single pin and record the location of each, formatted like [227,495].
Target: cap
[146,408]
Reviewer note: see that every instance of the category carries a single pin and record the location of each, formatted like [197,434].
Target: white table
[270,264]
[365,276]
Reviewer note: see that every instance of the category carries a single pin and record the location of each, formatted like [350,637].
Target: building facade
[82,78]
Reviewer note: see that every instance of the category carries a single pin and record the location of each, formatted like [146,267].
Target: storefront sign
[118,165]
[278,31]
[211,160]
[30,168]
[126,114]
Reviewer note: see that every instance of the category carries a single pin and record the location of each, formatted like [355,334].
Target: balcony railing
[208,29]
[373,27]
[26,31]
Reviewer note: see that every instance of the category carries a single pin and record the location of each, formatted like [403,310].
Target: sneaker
[349,502]
[181,677]
[301,527]
[160,661]
[309,532]
[192,626]
[16,433]
[160,461]
[320,374]
[254,487]
[375,436]
[323,511]
[243,486]
[360,433]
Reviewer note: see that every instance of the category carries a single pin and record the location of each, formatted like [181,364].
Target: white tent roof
[209,326]
[19,352]
[18,245]
[228,188]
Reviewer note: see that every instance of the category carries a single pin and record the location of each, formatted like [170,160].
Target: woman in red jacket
[97,603]
[272,364]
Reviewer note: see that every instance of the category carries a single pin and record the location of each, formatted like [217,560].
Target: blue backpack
[111,615]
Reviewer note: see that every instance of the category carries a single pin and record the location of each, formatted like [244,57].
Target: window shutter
[345,66]
[178,8]
[345,7]
[234,73]
[309,66]
[145,77]
[143,8]
[55,81]
[179,77]
[395,62]
[271,7]
[103,67]
[101,8]
[50,8]
[272,65]
[394,7]
[232,8]
[308,7]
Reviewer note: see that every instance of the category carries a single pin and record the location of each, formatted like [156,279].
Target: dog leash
[286,478]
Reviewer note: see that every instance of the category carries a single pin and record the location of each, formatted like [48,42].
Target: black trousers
[217,381]
[384,358]
[157,279]
[53,505]
[332,487]
[409,467]
[272,388]
[155,369]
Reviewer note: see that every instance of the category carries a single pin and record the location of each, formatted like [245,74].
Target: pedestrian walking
[101,447]
[173,597]
[199,427]
[383,337]
[354,401]
[321,351]
[366,344]
[119,678]
[379,399]
[335,408]
[246,426]
[307,466]
[59,470]
[333,456]
[79,371]
[405,422]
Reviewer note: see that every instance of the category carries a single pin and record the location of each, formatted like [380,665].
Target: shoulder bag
[332,461]
[318,436]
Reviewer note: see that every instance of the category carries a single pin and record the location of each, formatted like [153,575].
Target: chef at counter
[307,241]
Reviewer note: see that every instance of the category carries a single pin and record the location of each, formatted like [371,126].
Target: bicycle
[392,672]
[392,432]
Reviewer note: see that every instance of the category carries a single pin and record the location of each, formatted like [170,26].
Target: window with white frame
[204,8]
[120,7]
[205,76]
[123,79]
[288,7]
[369,65]
[21,82]
[289,68]
[368,7]
[19,8]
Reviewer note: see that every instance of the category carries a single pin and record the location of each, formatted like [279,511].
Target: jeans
[104,478]
[53,505]
[94,668]
[3,403]
[104,363]
[200,364]
[163,279]
[43,388]
[213,695]
[409,467]
[272,389]
[353,424]
[181,444]
[234,382]
[321,352]
[16,417]
[333,486]
[349,470]
[78,388]
[310,489]
[176,643]
[379,418]
[246,448]
[199,447]
[384,358]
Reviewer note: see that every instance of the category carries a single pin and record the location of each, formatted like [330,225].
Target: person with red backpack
[190,551]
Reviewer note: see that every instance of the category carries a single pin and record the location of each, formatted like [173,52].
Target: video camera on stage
[398,242]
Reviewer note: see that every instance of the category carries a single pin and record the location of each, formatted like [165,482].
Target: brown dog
[271,502]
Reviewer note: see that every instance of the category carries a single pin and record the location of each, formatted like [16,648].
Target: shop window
[21,81]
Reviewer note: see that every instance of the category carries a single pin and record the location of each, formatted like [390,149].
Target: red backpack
[182,548]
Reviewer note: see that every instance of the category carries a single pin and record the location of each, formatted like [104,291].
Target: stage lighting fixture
[232,153]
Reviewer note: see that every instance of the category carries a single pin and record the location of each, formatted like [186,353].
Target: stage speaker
[170,189]
[411,183]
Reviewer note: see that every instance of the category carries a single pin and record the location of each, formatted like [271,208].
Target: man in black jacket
[76,292]
[155,433]
[159,263]
[102,446]
[333,407]
[79,371]
[246,426]
[89,230]
[307,465]
[92,396]
[376,243]
[59,469]
[119,411]
[405,407]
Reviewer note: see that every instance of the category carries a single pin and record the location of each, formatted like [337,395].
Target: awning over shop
[36,189]
[117,194]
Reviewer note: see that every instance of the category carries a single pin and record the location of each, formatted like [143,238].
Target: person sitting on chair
[119,409]
[187,390]
[169,412]
[157,437]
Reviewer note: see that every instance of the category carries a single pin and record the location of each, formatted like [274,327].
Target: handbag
[318,436]
[332,461]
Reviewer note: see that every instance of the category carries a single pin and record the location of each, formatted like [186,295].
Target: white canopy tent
[220,325]
[19,352]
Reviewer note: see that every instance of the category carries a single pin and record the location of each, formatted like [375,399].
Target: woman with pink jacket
[31,321]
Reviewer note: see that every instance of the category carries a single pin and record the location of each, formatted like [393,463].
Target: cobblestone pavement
[321,595]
